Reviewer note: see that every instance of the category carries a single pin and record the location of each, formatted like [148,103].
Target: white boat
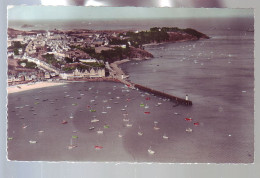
[123,109]
[165,137]
[120,135]
[71,116]
[100,132]
[32,141]
[146,106]
[108,107]
[125,120]
[129,125]
[94,120]
[103,112]
[140,133]
[156,128]
[91,128]
[25,126]
[189,130]
[150,151]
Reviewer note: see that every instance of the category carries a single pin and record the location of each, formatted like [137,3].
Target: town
[39,55]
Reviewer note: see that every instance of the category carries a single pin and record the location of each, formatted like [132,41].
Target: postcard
[130,84]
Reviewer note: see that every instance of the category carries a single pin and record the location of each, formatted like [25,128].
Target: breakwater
[162,94]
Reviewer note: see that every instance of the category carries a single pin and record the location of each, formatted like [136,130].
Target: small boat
[196,123]
[141,105]
[165,137]
[103,112]
[125,120]
[150,151]
[64,122]
[94,120]
[92,110]
[155,125]
[140,133]
[147,112]
[40,131]
[120,135]
[188,119]
[123,109]
[148,98]
[177,113]
[156,128]
[129,125]
[72,146]
[91,128]
[146,106]
[100,132]
[98,147]
[108,107]
[71,116]
[189,130]
[106,126]
[32,141]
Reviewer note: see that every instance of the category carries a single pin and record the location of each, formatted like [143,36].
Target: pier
[162,94]
[118,74]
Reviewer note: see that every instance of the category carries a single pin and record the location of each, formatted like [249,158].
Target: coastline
[25,87]
[117,71]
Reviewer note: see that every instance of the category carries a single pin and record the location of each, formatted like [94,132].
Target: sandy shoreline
[31,86]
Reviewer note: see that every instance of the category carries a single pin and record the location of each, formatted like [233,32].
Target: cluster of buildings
[30,76]
[59,44]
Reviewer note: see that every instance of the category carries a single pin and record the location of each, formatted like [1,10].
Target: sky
[76,12]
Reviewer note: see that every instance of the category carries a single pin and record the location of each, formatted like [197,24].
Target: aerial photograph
[130,84]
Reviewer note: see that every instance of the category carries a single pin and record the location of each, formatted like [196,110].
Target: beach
[31,86]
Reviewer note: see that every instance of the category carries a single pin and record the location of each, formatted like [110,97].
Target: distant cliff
[186,35]
[139,53]
[159,35]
